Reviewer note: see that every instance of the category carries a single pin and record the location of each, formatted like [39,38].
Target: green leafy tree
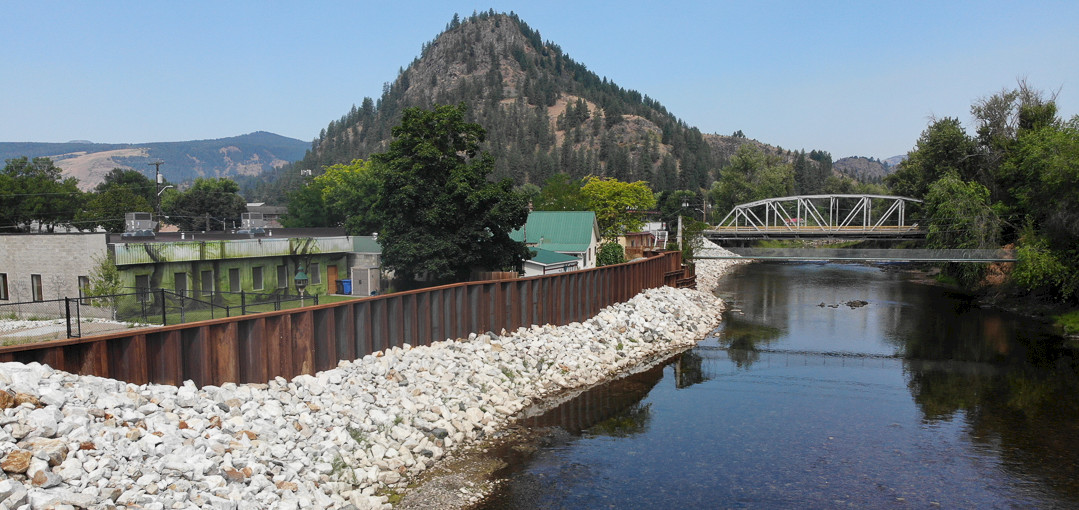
[751,175]
[210,203]
[341,197]
[943,147]
[438,213]
[670,205]
[958,216]
[106,209]
[610,253]
[617,204]
[692,237]
[560,193]
[35,191]
[104,283]
[122,191]
[1043,168]
[132,181]
[306,208]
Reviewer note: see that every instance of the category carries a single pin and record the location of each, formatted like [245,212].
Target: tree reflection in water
[742,338]
[1014,384]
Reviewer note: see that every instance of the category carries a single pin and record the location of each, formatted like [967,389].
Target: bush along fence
[88,315]
[287,343]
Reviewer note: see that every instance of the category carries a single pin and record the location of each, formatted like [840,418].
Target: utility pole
[157,186]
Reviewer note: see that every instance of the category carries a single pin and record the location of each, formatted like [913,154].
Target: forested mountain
[235,157]
[544,114]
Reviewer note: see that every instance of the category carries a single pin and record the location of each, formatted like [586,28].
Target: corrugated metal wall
[257,348]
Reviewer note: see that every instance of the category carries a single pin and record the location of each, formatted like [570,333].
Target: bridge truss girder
[774,214]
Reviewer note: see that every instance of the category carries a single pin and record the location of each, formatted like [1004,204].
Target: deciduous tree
[437,211]
[617,204]
[210,203]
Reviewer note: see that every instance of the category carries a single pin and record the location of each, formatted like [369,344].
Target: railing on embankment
[257,348]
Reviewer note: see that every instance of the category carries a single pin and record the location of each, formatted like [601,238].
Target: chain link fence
[38,321]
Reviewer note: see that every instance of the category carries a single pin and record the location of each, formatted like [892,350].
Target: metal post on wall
[67,313]
[243,303]
[164,321]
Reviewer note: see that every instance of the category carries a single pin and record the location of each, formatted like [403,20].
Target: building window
[3,287]
[35,287]
[84,289]
[256,278]
[181,283]
[142,286]
[313,276]
[234,279]
[282,277]
[207,283]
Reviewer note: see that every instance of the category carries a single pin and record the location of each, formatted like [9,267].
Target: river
[806,397]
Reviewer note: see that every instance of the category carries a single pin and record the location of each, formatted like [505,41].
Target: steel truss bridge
[820,216]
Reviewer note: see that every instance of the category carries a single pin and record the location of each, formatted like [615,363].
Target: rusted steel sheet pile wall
[257,348]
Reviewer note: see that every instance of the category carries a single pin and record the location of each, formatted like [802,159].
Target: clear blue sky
[849,77]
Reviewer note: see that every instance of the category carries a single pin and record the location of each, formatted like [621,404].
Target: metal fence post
[67,314]
[243,303]
[164,319]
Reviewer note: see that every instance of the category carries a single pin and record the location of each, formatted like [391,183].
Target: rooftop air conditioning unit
[139,224]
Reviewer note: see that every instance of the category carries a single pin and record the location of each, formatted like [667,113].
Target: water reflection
[920,398]
[608,409]
[689,370]
[743,338]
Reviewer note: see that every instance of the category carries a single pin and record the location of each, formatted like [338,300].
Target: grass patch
[946,279]
[1069,322]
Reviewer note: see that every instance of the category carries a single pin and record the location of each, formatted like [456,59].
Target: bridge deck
[862,255]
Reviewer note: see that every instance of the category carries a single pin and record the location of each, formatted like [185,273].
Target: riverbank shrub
[1069,322]
[610,253]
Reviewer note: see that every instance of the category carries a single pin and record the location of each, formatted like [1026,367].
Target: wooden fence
[257,348]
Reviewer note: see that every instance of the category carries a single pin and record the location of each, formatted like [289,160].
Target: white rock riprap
[710,270]
[324,441]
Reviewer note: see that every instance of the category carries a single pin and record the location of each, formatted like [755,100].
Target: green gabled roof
[548,257]
[558,230]
[365,244]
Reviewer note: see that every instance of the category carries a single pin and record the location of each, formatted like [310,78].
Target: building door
[331,276]
[207,283]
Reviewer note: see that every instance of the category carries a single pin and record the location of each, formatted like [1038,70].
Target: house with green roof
[574,233]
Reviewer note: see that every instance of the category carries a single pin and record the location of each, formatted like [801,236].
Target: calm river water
[917,399]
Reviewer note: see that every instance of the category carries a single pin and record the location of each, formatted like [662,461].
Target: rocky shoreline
[337,439]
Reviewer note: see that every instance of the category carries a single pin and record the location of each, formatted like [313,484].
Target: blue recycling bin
[346,286]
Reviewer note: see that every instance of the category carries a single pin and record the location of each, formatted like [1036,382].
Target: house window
[142,286]
[3,286]
[207,283]
[234,279]
[282,277]
[84,289]
[35,287]
[181,283]
[256,278]
[314,278]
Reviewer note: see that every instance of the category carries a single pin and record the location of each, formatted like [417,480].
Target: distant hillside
[235,157]
[544,113]
[863,169]
[894,161]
